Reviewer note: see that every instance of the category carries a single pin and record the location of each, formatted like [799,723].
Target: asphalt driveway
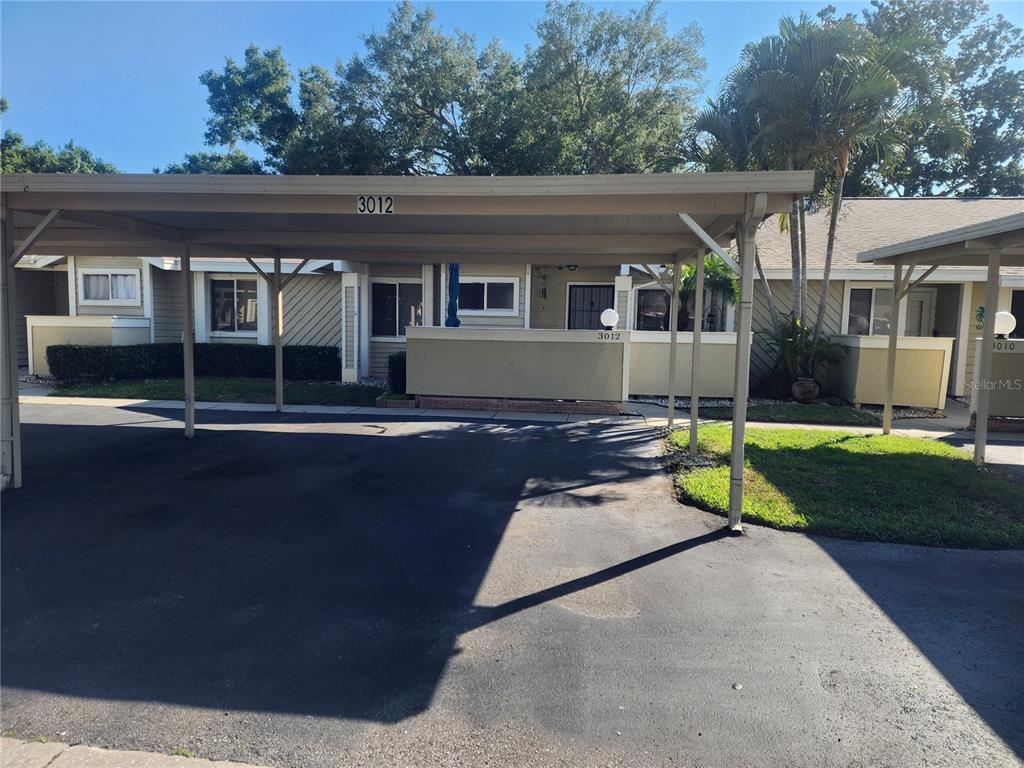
[292,591]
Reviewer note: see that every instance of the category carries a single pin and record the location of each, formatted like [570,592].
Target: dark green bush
[396,373]
[71,363]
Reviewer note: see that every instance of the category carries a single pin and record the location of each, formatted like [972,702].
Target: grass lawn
[212,389]
[798,413]
[873,487]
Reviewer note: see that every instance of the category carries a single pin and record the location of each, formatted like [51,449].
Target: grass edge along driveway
[852,486]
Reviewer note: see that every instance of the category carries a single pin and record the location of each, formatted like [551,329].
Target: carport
[995,243]
[587,221]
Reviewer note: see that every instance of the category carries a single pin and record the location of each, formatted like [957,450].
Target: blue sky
[121,78]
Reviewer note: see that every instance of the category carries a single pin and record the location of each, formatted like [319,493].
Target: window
[653,308]
[233,305]
[870,310]
[492,296]
[109,287]
[1017,310]
[393,306]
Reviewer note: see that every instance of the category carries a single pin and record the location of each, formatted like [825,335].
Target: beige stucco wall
[87,332]
[483,364]
[1006,397]
[922,375]
[648,364]
[46,336]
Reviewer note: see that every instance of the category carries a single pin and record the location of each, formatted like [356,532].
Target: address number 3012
[375,204]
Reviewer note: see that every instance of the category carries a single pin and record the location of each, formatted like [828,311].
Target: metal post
[673,332]
[894,332]
[698,327]
[985,363]
[278,336]
[11,450]
[744,317]
[187,339]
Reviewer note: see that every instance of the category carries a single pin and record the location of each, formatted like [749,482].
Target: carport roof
[965,246]
[588,219]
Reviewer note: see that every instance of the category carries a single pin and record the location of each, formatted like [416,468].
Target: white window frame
[850,286]
[84,302]
[208,291]
[487,312]
[391,281]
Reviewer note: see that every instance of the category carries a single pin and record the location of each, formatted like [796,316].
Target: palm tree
[806,98]
[869,99]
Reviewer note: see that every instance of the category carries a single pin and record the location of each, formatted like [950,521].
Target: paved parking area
[303,590]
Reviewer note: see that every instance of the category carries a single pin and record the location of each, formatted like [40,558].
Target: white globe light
[609,318]
[1005,323]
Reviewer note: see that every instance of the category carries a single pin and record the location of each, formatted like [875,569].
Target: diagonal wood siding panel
[761,359]
[312,311]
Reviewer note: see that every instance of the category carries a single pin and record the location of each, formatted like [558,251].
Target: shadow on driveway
[316,573]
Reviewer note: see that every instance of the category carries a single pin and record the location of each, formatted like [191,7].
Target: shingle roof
[874,222]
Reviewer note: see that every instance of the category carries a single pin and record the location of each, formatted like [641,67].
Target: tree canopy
[603,91]
[977,50]
[16,156]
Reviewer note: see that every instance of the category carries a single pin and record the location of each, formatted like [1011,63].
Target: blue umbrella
[452,320]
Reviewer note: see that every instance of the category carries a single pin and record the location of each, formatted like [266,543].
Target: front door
[920,312]
[586,303]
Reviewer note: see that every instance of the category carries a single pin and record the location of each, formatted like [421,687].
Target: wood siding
[380,351]
[168,298]
[38,293]
[312,311]
[761,359]
[107,310]
[351,332]
[493,270]
[974,332]
[548,310]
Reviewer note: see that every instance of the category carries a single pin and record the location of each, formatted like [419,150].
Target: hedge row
[70,363]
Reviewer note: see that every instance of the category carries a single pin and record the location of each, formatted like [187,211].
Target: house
[946,305]
[366,308]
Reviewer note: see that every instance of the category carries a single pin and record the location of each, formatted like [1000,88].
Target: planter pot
[805,389]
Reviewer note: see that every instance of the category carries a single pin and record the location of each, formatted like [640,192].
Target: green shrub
[70,363]
[396,373]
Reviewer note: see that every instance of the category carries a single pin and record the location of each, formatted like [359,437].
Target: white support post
[985,363]
[673,327]
[187,343]
[10,461]
[746,232]
[698,322]
[894,332]
[278,300]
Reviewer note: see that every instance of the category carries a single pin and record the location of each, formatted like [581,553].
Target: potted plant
[801,358]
